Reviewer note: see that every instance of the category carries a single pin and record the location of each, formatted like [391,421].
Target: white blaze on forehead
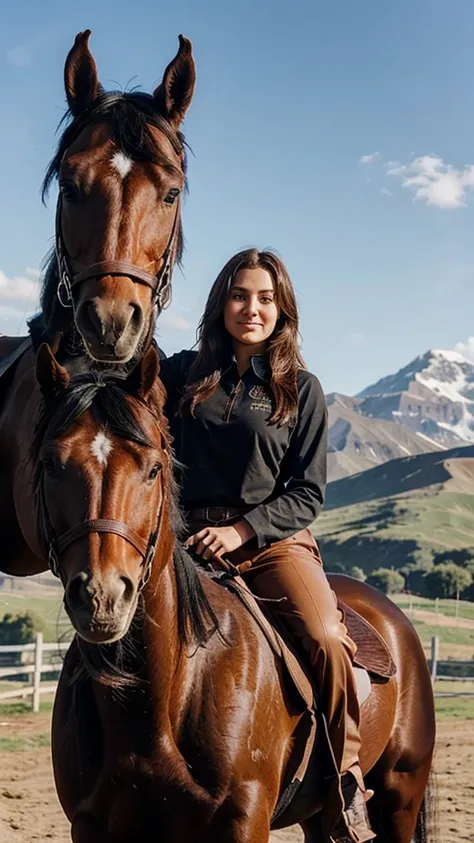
[122,163]
[101,447]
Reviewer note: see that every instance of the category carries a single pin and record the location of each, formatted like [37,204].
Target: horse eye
[69,192]
[51,465]
[171,195]
[155,471]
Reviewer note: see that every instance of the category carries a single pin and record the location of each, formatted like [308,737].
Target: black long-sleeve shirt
[232,457]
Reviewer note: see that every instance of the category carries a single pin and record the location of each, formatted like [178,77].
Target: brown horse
[172,720]
[120,164]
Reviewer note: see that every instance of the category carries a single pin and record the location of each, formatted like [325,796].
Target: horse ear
[142,378]
[51,376]
[175,93]
[80,75]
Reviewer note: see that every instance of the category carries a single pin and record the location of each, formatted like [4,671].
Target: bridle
[159,283]
[56,545]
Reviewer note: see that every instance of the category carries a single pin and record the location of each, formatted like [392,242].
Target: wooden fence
[444,677]
[36,665]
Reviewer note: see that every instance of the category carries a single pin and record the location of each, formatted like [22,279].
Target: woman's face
[251,312]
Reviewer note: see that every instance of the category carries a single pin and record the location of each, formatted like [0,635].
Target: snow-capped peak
[451,355]
[447,376]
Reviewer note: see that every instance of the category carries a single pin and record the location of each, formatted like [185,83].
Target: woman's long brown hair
[215,343]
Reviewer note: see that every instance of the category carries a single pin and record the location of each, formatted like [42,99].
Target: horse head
[120,166]
[103,474]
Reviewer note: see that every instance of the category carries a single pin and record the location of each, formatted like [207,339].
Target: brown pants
[292,569]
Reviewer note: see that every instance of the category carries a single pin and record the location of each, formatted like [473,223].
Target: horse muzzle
[111,330]
[101,611]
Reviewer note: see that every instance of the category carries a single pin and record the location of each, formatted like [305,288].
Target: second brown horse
[171,720]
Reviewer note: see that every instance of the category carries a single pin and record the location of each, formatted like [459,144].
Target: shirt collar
[259,364]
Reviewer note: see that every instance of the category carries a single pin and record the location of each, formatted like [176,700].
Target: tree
[421,560]
[447,580]
[357,573]
[17,629]
[390,582]
[414,578]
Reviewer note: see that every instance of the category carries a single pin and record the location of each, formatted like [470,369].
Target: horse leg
[396,805]
[312,829]
[86,829]
[245,819]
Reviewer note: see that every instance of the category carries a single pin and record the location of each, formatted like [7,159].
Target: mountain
[394,513]
[427,405]
[433,395]
[357,442]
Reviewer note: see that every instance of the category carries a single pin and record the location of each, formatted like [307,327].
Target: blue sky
[339,133]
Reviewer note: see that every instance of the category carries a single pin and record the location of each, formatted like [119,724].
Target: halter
[158,283]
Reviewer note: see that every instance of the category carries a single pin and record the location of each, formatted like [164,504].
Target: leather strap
[112,267]
[102,525]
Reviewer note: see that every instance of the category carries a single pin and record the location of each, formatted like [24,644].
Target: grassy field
[386,532]
[48,610]
[444,607]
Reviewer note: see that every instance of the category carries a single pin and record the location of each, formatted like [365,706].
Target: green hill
[384,516]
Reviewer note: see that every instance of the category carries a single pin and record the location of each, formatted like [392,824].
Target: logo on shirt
[261,399]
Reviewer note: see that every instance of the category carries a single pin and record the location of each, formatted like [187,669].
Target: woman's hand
[213,542]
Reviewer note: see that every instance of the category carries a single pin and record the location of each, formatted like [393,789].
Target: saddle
[373,659]
[11,350]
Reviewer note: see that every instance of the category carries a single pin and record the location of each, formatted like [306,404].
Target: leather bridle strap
[111,267]
[146,549]
[101,525]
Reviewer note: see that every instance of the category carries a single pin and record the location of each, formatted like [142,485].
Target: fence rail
[35,668]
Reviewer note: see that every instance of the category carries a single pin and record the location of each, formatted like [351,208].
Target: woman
[250,431]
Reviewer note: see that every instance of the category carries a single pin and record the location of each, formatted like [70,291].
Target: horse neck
[174,668]
[164,650]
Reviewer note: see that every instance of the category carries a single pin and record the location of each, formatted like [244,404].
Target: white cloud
[18,300]
[20,56]
[385,191]
[176,322]
[433,181]
[466,348]
[21,292]
[369,159]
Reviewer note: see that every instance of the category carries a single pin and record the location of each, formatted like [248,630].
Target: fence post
[37,673]
[434,657]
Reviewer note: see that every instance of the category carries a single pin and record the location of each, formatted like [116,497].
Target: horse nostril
[136,318]
[77,594]
[128,589]
[92,318]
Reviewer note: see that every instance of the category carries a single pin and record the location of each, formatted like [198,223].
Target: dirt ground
[29,809]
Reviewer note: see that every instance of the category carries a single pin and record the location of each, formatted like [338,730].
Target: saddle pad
[372,652]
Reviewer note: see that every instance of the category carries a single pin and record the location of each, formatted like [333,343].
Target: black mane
[130,116]
[107,399]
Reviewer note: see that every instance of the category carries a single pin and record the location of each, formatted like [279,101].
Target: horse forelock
[129,116]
